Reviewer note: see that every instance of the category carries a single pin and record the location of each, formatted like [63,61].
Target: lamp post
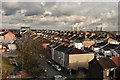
[69,71]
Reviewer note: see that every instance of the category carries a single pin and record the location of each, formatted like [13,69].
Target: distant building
[1,36]
[113,41]
[79,42]
[106,50]
[24,28]
[9,38]
[88,43]
[97,48]
[12,46]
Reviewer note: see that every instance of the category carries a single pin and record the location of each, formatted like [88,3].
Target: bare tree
[28,50]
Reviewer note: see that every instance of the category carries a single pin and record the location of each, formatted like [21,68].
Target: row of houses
[102,43]
[73,58]
[69,56]
[97,52]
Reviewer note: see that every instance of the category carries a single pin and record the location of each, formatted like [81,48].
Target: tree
[28,50]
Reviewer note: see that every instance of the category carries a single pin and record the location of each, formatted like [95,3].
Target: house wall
[1,38]
[95,70]
[115,53]
[106,73]
[52,51]
[79,45]
[59,57]
[9,36]
[107,53]
[112,41]
[80,60]
[1,46]
[88,43]
[55,55]
[12,46]
[62,59]
[96,49]
[66,62]
[117,73]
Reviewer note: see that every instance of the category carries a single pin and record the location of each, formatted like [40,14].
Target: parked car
[41,56]
[50,63]
[57,68]
[59,77]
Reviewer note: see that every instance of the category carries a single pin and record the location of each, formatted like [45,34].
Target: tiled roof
[76,51]
[63,48]
[116,60]
[101,37]
[53,45]
[99,44]
[106,63]
[93,37]
[79,39]
[88,43]
[74,37]
[110,46]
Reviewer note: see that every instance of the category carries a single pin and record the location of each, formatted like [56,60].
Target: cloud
[61,14]
[32,8]
[10,8]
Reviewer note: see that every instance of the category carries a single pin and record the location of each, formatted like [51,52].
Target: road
[51,72]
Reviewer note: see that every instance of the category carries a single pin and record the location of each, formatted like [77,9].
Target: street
[51,72]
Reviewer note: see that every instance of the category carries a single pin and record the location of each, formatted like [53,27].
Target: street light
[45,70]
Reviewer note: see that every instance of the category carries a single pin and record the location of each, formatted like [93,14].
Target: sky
[60,15]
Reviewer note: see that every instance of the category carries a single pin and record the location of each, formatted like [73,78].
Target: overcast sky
[60,15]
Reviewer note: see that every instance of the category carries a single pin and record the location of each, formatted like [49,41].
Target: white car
[57,67]
[59,77]
[41,56]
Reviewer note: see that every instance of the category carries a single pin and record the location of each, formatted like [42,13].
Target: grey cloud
[10,11]
[66,9]
[10,8]
[61,12]
[32,8]
[60,9]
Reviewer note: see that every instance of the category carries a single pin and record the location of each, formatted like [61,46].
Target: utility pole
[70,72]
